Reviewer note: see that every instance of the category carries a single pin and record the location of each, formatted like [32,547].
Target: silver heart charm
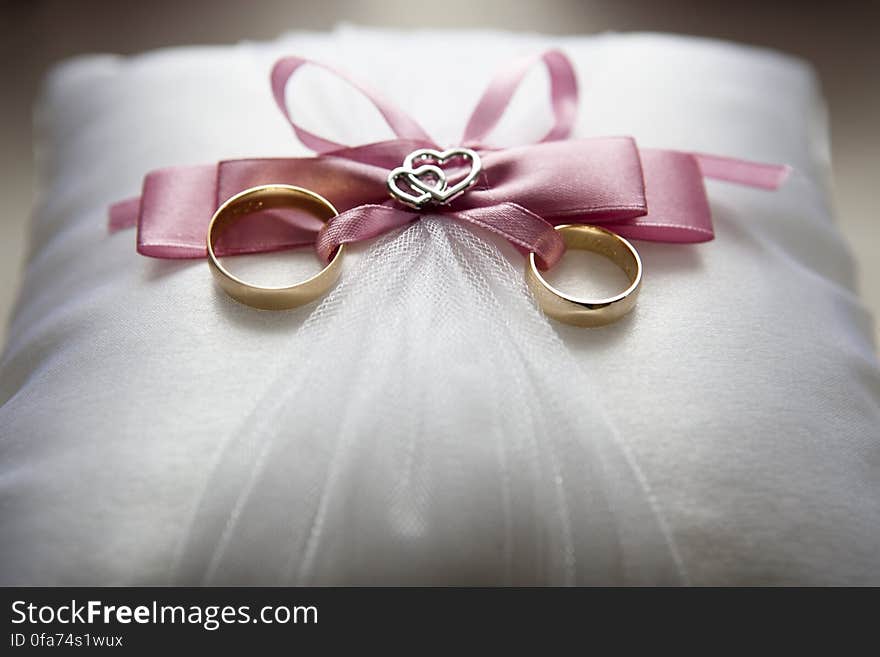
[414,181]
[438,192]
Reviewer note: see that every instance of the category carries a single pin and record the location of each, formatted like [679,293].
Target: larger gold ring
[266,197]
[589,312]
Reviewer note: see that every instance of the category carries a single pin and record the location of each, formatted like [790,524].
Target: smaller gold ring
[589,312]
[266,197]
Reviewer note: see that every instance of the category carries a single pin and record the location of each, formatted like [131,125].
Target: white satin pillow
[432,426]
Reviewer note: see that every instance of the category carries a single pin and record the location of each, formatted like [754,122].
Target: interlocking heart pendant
[427,183]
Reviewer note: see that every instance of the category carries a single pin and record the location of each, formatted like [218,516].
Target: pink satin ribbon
[521,193]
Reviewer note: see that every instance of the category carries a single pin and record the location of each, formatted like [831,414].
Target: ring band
[266,197]
[589,312]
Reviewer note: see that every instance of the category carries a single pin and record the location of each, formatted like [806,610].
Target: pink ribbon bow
[520,194]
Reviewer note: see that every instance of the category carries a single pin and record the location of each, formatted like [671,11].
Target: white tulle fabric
[427,410]
[425,423]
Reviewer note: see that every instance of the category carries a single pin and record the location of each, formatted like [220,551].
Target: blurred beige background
[841,38]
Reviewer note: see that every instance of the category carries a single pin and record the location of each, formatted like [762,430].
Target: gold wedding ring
[589,312]
[266,197]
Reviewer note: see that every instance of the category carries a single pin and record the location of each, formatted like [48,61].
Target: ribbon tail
[175,209]
[528,232]
[124,214]
[357,224]
[743,172]
[678,208]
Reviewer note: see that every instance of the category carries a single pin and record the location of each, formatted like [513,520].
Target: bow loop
[497,97]
[520,193]
[403,126]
